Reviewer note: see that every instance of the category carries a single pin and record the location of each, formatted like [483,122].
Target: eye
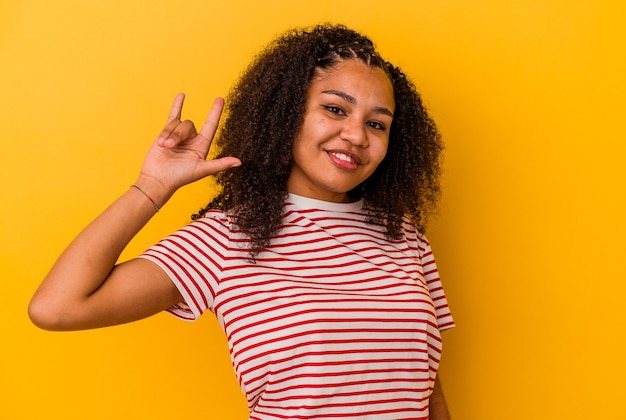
[376,125]
[334,109]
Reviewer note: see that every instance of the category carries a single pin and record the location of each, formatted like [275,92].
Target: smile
[344,160]
[343,157]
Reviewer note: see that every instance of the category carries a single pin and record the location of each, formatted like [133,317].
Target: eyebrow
[352,100]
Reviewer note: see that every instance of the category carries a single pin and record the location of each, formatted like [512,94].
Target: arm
[85,288]
[437,404]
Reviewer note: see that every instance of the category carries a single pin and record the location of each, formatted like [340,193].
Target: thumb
[214,166]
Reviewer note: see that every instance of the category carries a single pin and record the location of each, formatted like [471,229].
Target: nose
[354,131]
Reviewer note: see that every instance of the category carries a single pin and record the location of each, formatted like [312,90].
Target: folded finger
[169,129]
[177,133]
[183,131]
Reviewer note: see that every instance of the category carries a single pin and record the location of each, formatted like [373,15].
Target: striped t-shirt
[331,321]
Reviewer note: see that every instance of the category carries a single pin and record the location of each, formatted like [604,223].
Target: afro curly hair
[264,113]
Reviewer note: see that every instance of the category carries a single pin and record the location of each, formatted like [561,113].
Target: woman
[311,255]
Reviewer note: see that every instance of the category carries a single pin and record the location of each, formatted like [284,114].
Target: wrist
[153,190]
[154,204]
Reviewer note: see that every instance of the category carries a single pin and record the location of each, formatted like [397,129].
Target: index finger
[177,107]
[210,125]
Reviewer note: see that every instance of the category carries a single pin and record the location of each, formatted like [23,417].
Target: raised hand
[178,155]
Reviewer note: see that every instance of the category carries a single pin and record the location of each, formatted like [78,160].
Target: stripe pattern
[332,320]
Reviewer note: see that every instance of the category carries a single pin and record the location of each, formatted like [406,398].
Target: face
[345,134]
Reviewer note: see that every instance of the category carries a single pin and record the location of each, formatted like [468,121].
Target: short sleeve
[435,287]
[192,258]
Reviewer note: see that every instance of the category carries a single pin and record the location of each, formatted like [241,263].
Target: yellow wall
[530,238]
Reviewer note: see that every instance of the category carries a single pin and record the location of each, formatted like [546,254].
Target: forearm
[438,407]
[85,288]
[89,259]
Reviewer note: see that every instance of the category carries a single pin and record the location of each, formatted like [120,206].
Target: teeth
[343,157]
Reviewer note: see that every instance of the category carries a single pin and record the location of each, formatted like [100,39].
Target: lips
[344,159]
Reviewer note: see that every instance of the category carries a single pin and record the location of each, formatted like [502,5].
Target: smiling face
[345,133]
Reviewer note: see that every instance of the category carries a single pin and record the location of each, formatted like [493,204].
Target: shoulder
[215,218]
[214,224]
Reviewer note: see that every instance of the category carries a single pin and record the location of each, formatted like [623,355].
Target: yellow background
[530,237]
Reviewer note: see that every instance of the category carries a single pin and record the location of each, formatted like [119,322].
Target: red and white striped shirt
[332,321]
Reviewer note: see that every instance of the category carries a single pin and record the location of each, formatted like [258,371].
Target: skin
[344,137]
[438,408]
[345,134]
[85,289]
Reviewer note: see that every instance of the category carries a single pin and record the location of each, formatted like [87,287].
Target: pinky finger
[177,107]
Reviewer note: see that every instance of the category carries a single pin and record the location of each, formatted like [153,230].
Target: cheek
[296,150]
[379,151]
[301,151]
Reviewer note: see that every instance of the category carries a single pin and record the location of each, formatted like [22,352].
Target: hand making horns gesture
[178,155]
[87,287]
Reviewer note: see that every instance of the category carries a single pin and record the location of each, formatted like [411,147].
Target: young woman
[311,255]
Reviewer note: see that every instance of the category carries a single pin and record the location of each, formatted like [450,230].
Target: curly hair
[265,111]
